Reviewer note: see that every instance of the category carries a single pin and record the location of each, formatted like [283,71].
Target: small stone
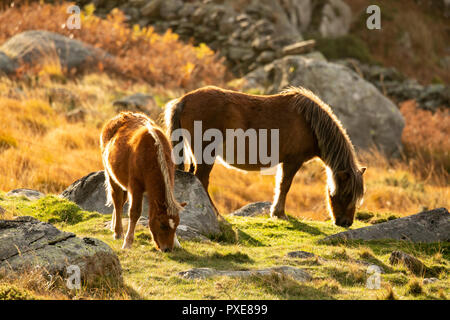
[239,53]
[151,9]
[204,273]
[253,209]
[299,47]
[410,262]
[266,57]
[30,194]
[430,280]
[300,254]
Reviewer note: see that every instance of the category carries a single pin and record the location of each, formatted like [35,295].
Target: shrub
[425,139]
[347,46]
[364,215]
[11,292]
[141,53]
[415,287]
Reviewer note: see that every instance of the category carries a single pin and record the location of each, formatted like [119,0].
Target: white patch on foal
[176,244]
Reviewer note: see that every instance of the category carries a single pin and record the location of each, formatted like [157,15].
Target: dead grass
[36,285]
[43,151]
[141,53]
[426,139]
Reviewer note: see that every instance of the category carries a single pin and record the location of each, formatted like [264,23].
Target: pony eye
[164,227]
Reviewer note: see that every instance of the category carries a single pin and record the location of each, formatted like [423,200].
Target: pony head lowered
[345,187]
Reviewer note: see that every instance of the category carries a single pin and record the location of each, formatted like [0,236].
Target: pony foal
[137,158]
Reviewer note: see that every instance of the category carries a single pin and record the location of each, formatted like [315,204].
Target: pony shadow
[287,288]
[304,227]
[247,239]
[133,293]
[216,260]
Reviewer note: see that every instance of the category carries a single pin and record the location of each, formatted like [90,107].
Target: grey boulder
[204,273]
[427,226]
[369,117]
[27,243]
[36,47]
[139,102]
[197,218]
[253,209]
[7,65]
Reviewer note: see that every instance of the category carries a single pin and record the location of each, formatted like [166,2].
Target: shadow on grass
[232,235]
[134,295]
[380,247]
[287,288]
[216,260]
[246,239]
[304,227]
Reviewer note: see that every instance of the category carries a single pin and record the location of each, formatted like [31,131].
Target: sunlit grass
[262,242]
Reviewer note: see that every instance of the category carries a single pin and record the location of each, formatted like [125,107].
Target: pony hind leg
[134,214]
[285,175]
[202,173]
[119,197]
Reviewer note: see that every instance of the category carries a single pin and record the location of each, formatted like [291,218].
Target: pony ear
[362,170]
[183,204]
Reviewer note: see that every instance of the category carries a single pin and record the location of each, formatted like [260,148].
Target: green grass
[251,243]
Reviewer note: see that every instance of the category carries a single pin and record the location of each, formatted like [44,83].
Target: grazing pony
[307,129]
[137,158]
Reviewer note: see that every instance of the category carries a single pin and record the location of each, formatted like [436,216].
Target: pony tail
[172,119]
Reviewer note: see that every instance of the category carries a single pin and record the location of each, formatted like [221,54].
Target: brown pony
[307,129]
[137,158]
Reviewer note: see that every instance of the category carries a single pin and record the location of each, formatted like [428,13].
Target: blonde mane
[173,207]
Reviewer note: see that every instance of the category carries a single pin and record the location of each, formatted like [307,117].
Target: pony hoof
[126,245]
[281,216]
[117,236]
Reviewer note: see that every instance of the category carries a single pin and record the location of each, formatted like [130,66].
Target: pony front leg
[285,175]
[134,214]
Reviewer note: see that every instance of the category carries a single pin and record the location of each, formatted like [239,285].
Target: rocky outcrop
[395,85]
[42,47]
[247,33]
[27,243]
[7,65]
[204,273]
[427,226]
[369,117]
[197,218]
[139,102]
